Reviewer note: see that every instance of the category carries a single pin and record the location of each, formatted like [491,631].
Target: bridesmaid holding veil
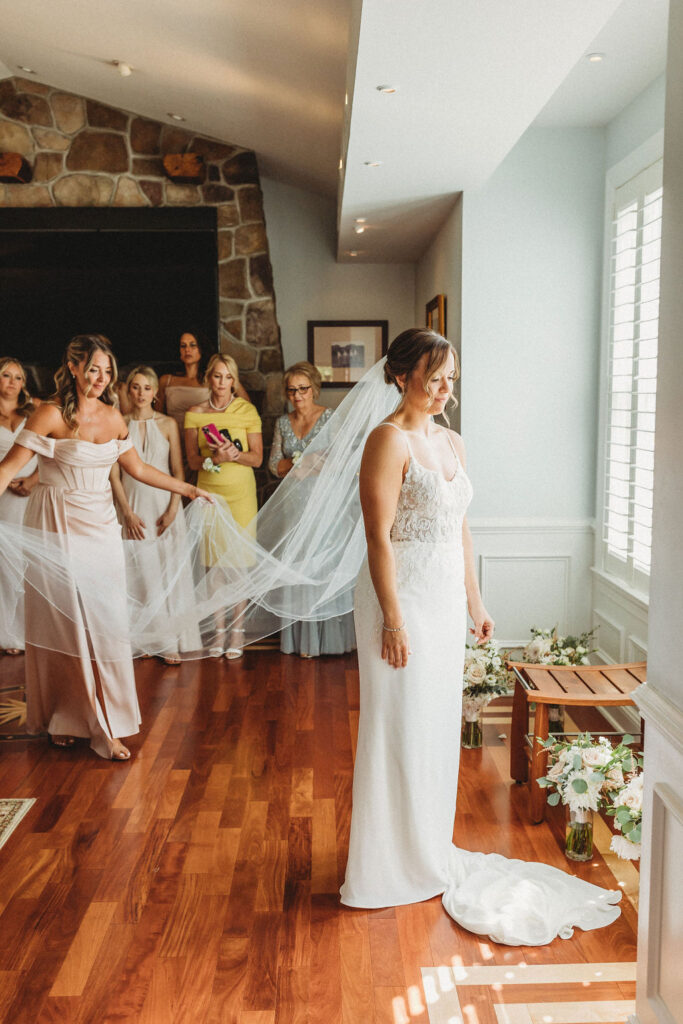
[79,668]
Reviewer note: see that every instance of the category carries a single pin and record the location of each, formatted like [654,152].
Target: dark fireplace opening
[139,276]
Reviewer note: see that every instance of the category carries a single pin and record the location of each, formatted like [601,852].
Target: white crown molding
[661,713]
[519,525]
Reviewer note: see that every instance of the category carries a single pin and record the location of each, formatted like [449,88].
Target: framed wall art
[343,350]
[436,314]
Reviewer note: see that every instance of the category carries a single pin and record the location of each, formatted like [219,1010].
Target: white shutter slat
[634,269]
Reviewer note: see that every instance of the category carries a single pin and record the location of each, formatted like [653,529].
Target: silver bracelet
[395,629]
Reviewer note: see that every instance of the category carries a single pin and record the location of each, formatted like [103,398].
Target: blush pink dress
[79,669]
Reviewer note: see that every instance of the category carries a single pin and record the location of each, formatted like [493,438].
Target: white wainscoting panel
[659,998]
[534,572]
[621,616]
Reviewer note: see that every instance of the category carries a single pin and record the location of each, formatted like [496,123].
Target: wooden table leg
[539,764]
[519,767]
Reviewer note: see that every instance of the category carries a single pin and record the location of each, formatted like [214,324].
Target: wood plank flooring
[198,883]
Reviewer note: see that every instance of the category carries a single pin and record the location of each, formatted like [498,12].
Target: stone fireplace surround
[83,153]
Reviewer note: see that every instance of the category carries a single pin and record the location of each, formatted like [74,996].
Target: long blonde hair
[24,401]
[82,348]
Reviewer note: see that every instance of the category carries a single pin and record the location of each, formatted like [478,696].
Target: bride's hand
[483,625]
[395,647]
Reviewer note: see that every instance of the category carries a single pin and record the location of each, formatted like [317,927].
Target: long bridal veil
[289,565]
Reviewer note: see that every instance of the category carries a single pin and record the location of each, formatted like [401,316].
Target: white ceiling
[270,75]
[264,74]
[634,44]
[472,76]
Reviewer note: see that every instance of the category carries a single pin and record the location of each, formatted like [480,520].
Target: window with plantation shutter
[632,376]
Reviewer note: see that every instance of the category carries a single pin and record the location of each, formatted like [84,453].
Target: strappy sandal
[233,652]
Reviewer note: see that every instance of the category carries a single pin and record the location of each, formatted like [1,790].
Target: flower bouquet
[546,647]
[585,776]
[484,677]
[627,811]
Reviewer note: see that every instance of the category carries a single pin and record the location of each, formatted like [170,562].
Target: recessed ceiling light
[388,90]
[176,117]
[353,252]
[595,58]
[373,163]
[359,229]
[361,220]
[28,71]
[123,68]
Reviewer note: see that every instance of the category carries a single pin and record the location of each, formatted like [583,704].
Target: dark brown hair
[407,349]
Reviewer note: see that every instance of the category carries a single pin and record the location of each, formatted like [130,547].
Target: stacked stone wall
[84,153]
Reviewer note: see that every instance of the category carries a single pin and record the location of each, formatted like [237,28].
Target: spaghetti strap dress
[406,772]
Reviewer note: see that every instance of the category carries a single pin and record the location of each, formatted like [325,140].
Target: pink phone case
[212,434]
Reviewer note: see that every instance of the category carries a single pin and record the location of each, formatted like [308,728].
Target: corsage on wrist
[295,457]
[209,466]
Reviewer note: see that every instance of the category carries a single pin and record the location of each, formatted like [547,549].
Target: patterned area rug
[11,813]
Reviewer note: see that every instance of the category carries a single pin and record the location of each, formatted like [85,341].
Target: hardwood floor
[197,884]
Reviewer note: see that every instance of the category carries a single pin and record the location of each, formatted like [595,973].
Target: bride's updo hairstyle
[82,348]
[406,351]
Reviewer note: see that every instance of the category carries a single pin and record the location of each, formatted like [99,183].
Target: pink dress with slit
[79,669]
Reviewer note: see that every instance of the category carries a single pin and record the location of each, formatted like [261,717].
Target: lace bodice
[430,508]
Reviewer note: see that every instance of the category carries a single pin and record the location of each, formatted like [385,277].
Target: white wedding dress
[406,771]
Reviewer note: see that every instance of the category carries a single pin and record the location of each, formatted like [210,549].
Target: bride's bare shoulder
[385,443]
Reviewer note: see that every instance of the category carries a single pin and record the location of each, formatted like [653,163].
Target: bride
[411,600]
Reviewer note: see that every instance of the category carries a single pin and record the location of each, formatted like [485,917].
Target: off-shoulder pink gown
[79,668]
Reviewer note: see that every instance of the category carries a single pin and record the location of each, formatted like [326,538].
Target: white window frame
[637,161]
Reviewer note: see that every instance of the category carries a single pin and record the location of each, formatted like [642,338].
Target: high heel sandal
[233,652]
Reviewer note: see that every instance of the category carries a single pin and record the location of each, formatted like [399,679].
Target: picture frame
[344,350]
[435,312]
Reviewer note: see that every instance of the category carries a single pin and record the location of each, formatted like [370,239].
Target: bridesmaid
[178,392]
[16,406]
[226,470]
[79,667]
[147,513]
[294,431]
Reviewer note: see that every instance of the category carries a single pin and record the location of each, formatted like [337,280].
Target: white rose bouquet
[546,647]
[587,776]
[484,677]
[627,811]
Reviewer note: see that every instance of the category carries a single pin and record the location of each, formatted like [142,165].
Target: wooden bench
[571,685]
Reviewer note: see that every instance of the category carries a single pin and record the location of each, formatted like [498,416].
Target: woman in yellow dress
[226,467]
